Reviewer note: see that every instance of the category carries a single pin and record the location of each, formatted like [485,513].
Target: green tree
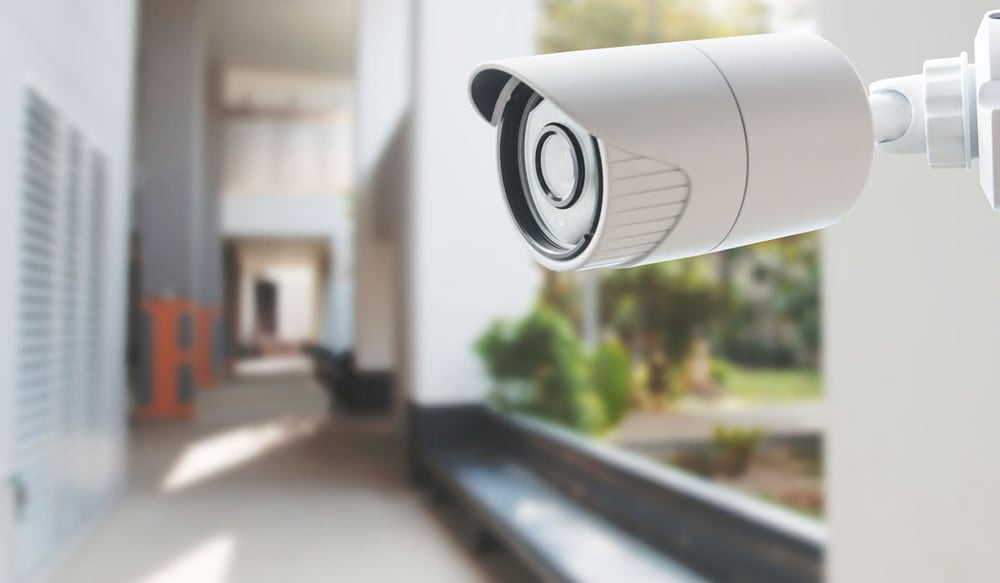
[661,306]
[782,326]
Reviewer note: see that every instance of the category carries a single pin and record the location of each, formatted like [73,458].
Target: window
[710,364]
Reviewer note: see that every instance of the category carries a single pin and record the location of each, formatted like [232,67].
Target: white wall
[464,260]
[383,80]
[80,57]
[287,156]
[9,102]
[912,284]
[285,216]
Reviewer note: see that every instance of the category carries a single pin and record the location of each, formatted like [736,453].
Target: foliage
[734,447]
[799,300]
[590,416]
[662,305]
[540,368]
[753,351]
[521,349]
[584,24]
[729,454]
[610,377]
[721,371]
[771,385]
[542,350]
[561,291]
[780,327]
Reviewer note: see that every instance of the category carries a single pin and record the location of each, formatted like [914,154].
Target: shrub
[734,448]
[542,354]
[590,414]
[609,375]
[521,349]
[729,453]
[539,367]
[720,371]
[558,395]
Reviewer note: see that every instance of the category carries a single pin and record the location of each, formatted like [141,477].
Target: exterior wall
[465,264]
[80,58]
[911,334]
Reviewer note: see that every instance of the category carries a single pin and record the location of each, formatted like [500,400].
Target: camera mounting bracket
[950,112]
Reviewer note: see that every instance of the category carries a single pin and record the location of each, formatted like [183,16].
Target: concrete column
[911,290]
[171,205]
[209,291]
[177,211]
[340,293]
[464,262]
[212,348]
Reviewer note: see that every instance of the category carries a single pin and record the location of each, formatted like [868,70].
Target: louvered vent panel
[101,409]
[35,406]
[68,415]
[72,394]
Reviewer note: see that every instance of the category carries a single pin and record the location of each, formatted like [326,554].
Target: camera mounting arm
[951,111]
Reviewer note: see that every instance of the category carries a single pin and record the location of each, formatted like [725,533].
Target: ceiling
[301,35]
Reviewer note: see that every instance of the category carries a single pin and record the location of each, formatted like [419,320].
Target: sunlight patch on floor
[216,454]
[209,562]
[272,365]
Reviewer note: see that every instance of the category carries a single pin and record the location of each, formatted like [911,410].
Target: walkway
[692,424]
[264,487]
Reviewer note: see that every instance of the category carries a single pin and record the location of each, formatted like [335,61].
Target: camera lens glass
[552,175]
[560,166]
[559,163]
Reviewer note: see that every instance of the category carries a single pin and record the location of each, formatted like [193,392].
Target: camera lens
[559,163]
[551,170]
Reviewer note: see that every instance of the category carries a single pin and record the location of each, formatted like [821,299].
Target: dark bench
[350,389]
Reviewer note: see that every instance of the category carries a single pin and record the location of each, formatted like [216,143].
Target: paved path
[697,423]
[263,487]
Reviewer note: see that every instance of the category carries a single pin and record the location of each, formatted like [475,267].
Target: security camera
[626,156]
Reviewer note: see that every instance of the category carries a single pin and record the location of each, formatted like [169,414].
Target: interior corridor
[262,485]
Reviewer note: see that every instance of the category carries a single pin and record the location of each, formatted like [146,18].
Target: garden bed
[788,472]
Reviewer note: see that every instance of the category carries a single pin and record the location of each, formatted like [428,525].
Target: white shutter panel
[35,412]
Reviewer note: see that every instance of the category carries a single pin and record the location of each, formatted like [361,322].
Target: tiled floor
[264,487]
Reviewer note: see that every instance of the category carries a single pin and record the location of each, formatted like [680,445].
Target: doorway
[266,303]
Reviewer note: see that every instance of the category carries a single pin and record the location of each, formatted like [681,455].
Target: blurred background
[267,319]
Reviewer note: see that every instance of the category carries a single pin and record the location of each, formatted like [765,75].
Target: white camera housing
[625,156]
